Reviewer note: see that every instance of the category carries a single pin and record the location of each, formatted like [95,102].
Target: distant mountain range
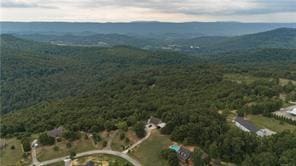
[277,38]
[151,29]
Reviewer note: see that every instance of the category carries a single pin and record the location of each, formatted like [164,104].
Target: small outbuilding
[265,132]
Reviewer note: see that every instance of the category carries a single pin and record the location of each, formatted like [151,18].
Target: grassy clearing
[286,81]
[148,153]
[101,159]
[48,152]
[239,78]
[121,144]
[9,156]
[270,123]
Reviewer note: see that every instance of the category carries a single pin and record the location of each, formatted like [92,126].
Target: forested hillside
[33,72]
[278,38]
[283,38]
[93,89]
[99,40]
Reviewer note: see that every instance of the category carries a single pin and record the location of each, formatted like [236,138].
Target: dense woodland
[87,88]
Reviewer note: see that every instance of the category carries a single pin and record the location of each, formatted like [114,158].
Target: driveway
[148,133]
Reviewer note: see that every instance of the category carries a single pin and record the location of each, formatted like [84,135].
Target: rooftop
[154,120]
[248,125]
[293,111]
[184,154]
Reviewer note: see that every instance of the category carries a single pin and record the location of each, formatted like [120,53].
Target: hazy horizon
[265,11]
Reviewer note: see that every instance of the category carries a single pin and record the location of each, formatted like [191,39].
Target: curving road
[88,153]
[107,150]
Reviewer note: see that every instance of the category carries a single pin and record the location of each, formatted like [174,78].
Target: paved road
[104,151]
[88,153]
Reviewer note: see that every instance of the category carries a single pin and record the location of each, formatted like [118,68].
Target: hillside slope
[34,72]
[278,38]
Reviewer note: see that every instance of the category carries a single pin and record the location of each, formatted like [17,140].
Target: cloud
[25,4]
[117,10]
[202,7]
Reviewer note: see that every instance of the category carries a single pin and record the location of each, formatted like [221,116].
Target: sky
[149,10]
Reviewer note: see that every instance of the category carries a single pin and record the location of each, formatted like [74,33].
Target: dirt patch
[132,136]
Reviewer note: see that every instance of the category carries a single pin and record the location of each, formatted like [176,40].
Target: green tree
[44,139]
[197,158]
[122,125]
[72,155]
[173,159]
[26,144]
[214,151]
[139,129]
[288,157]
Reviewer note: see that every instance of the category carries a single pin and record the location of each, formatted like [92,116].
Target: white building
[68,162]
[265,132]
[155,122]
[292,112]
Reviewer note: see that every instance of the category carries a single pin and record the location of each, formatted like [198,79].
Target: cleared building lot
[285,112]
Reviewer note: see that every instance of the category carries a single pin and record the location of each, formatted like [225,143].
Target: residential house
[152,121]
[183,154]
[247,126]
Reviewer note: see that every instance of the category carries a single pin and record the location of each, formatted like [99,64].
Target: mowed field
[148,153]
[270,123]
[10,156]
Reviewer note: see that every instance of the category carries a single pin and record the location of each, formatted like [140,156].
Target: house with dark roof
[184,154]
[156,122]
[245,125]
[56,132]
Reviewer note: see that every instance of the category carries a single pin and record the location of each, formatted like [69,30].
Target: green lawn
[270,123]
[148,153]
[10,157]
[120,145]
[48,152]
